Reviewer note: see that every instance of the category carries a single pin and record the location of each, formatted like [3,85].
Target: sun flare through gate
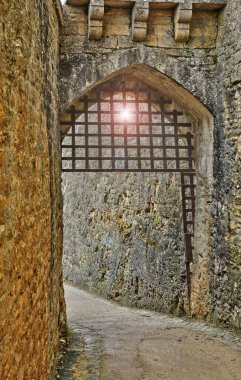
[132,129]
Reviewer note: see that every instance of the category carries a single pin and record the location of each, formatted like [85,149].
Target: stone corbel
[182,20]
[95,19]
[140,13]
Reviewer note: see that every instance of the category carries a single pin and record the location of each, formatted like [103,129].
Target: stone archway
[79,73]
[203,130]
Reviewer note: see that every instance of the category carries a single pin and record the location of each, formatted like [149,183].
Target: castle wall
[225,278]
[207,65]
[32,306]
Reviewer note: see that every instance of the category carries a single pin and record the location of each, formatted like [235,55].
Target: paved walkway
[111,342]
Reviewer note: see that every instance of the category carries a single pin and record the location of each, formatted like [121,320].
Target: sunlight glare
[126,114]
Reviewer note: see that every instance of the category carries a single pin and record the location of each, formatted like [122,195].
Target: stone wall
[225,279]
[84,62]
[123,237]
[151,271]
[32,306]
[204,66]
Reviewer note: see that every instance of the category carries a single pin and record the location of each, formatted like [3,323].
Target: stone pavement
[111,342]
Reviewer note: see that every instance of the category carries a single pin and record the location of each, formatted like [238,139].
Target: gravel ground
[111,342]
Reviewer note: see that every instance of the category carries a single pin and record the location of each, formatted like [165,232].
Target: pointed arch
[203,127]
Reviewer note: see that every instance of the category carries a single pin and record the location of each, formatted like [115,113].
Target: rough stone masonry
[31,297]
[188,51]
[122,232]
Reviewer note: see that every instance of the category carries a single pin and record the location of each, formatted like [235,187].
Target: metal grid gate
[131,130]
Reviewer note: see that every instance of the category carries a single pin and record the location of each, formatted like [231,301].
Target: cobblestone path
[111,342]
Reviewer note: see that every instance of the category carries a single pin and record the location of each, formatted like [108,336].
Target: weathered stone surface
[214,80]
[182,12]
[140,13]
[84,63]
[204,170]
[225,275]
[31,299]
[123,237]
[138,214]
[95,19]
[182,20]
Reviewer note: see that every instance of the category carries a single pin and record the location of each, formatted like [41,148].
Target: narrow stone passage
[111,342]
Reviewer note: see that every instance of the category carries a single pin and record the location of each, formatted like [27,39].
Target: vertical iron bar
[189,148]
[150,130]
[125,131]
[73,136]
[138,139]
[99,129]
[112,130]
[86,134]
[192,190]
[162,110]
[187,234]
[189,286]
[176,138]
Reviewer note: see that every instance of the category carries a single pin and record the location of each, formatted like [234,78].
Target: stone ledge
[171,4]
[183,12]
[182,21]
[140,15]
[95,19]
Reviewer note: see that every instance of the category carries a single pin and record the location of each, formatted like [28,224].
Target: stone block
[161,30]
[96,10]
[140,13]
[116,30]
[168,42]
[95,29]
[95,19]
[139,31]
[182,19]
[110,42]
[151,40]
[124,41]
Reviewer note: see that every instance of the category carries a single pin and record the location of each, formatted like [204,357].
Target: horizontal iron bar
[122,89]
[119,124]
[71,158]
[188,174]
[128,101]
[127,135]
[128,170]
[102,112]
[161,101]
[132,147]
